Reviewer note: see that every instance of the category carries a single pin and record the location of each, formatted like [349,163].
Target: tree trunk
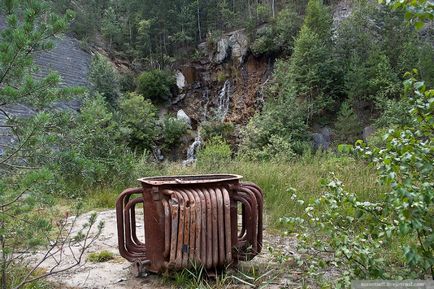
[199,32]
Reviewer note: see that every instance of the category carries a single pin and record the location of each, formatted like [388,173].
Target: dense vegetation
[344,76]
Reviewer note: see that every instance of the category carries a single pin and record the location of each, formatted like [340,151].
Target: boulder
[182,116]
[239,43]
[326,133]
[180,80]
[317,141]
[322,139]
[222,50]
[367,132]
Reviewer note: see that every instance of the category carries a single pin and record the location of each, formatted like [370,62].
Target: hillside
[324,108]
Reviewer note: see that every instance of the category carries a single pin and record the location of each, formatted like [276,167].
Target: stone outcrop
[69,60]
[239,43]
[225,84]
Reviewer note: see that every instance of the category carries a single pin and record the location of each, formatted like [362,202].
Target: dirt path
[115,274]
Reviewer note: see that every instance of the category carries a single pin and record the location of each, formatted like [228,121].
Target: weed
[99,257]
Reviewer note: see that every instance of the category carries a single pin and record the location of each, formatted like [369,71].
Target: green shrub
[210,129]
[156,85]
[394,112]
[384,236]
[281,120]
[348,126]
[99,257]
[87,156]
[104,79]
[278,149]
[138,118]
[215,151]
[173,130]
[279,36]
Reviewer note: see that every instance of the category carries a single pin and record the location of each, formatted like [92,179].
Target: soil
[116,273]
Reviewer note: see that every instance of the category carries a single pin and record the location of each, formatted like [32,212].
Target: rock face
[180,80]
[69,60]
[239,43]
[222,50]
[225,84]
[367,132]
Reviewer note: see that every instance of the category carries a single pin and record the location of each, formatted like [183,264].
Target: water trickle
[205,97]
[224,100]
[192,151]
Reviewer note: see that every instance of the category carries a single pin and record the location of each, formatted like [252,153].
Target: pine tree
[313,73]
[24,197]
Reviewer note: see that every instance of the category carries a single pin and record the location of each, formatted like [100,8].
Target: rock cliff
[225,84]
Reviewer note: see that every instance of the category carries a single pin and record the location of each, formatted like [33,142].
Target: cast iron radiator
[210,220]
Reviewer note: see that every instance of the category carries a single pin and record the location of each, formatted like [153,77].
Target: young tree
[24,202]
[313,72]
[105,79]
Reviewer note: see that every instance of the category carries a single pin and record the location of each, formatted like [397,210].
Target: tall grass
[304,175]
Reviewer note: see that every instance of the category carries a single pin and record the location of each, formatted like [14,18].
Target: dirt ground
[116,274]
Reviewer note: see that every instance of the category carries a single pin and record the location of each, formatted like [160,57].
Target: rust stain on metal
[191,220]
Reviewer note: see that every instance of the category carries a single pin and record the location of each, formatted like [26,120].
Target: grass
[248,276]
[304,175]
[16,274]
[100,257]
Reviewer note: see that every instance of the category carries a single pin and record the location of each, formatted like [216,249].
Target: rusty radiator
[211,220]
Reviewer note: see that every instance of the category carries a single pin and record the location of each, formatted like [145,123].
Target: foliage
[373,80]
[416,11]
[155,85]
[138,118]
[278,149]
[215,151]
[27,218]
[88,157]
[99,257]
[173,130]
[210,129]
[347,124]
[110,26]
[276,122]
[313,72]
[104,79]
[279,36]
[351,233]
[395,112]
[319,19]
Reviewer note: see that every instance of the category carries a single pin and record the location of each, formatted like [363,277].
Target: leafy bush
[394,112]
[359,237]
[173,129]
[279,36]
[104,79]
[372,80]
[278,149]
[138,118]
[281,120]
[210,129]
[155,85]
[87,156]
[215,151]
